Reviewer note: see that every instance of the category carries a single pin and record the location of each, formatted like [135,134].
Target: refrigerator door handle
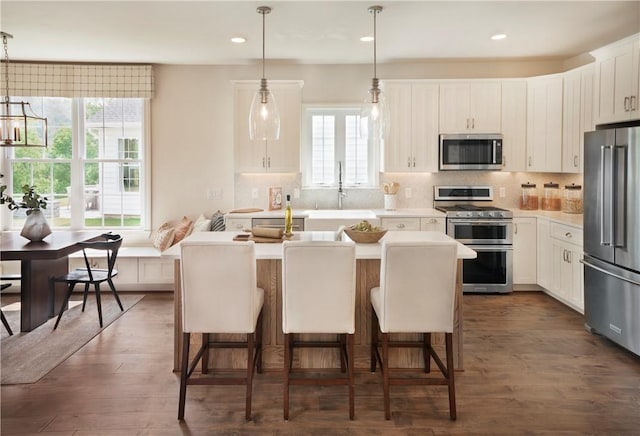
[602,270]
[603,186]
[618,186]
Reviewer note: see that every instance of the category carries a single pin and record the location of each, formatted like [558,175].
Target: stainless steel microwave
[470,152]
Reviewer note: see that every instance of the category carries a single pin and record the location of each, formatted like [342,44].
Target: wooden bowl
[364,237]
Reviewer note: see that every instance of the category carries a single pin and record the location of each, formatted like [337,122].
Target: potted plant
[35,226]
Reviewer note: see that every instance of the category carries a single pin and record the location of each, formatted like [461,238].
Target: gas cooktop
[474,211]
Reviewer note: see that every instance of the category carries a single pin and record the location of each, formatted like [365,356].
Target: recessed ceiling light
[498,36]
[238,39]
[366,39]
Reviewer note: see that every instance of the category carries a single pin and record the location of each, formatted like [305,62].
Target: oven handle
[505,222]
[490,247]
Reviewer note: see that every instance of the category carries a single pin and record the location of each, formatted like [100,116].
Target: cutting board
[256,239]
[246,210]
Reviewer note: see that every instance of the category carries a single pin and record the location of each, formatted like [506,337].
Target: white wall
[192,131]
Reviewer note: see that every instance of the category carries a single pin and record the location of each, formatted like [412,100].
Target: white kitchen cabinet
[544,124]
[412,142]
[514,125]
[617,81]
[544,255]
[236,224]
[577,116]
[560,272]
[272,156]
[470,107]
[402,224]
[433,224]
[524,250]
[152,270]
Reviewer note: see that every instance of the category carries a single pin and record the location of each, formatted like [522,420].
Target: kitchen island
[269,276]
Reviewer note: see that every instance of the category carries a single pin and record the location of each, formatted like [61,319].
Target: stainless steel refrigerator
[612,235]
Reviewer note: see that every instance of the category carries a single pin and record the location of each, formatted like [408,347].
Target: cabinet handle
[565,256]
[268,162]
[433,221]
[632,100]
[504,160]
[409,162]
[529,164]
[575,161]
[473,123]
[568,235]
[626,104]
[568,256]
[263,163]
[414,162]
[400,225]
[467,123]
[515,228]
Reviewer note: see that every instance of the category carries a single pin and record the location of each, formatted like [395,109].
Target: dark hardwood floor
[530,368]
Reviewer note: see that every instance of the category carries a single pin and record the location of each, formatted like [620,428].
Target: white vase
[35,226]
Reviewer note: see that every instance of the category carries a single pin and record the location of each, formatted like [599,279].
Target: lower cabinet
[414,223]
[524,251]
[237,224]
[560,271]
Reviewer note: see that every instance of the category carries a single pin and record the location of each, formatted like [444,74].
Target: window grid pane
[322,149]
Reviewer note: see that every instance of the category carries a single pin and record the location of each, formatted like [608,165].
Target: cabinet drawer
[400,223]
[432,224]
[237,224]
[569,234]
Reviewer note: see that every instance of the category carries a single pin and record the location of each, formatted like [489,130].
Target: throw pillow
[183,229]
[217,222]
[164,237]
[201,224]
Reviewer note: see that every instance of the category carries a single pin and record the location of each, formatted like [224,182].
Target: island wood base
[270,279]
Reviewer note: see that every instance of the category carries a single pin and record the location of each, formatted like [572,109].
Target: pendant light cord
[375,42]
[6,66]
[263,36]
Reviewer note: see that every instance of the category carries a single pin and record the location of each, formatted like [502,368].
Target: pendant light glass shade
[264,117]
[19,125]
[374,115]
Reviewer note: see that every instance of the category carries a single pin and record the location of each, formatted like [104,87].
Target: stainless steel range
[486,229]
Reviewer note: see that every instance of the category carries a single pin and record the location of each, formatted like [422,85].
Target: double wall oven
[486,229]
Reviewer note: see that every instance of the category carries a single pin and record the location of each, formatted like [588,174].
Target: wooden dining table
[38,262]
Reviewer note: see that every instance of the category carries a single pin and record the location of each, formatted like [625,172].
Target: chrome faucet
[341,193]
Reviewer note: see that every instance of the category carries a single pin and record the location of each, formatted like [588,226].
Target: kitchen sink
[358,214]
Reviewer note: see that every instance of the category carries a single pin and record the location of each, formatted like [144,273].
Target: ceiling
[309,32]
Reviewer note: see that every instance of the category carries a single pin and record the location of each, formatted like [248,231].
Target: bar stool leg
[184,369]
[374,339]
[426,351]
[385,375]
[351,376]
[450,376]
[286,369]
[250,367]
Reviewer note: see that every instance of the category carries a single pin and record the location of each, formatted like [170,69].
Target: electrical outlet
[296,193]
[254,193]
[214,193]
[503,192]
[407,192]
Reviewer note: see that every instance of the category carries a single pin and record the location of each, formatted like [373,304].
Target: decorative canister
[529,196]
[572,199]
[551,197]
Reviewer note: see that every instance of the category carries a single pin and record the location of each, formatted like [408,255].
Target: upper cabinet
[617,81]
[544,123]
[260,156]
[577,116]
[472,107]
[514,125]
[412,143]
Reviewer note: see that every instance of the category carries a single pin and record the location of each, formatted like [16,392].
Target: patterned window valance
[79,80]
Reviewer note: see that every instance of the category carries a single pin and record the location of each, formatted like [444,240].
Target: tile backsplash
[416,190]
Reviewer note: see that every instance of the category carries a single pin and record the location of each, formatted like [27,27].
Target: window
[92,179]
[333,146]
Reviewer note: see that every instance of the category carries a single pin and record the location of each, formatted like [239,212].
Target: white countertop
[343,213]
[363,251]
[409,213]
[572,219]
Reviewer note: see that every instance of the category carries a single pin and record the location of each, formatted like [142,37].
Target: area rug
[27,357]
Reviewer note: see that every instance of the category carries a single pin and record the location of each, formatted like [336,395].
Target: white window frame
[77,170]
[339,111]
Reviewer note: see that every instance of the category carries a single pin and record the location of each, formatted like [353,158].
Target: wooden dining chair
[5,323]
[90,275]
[416,295]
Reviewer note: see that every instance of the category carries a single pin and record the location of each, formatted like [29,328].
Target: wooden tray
[256,239]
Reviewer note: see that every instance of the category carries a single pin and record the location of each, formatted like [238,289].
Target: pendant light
[17,119]
[374,116]
[264,118]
